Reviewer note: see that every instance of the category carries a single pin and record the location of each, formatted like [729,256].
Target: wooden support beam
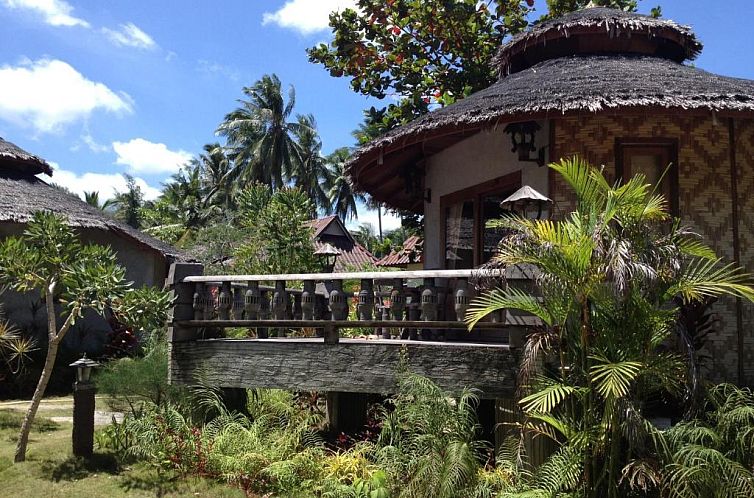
[348,366]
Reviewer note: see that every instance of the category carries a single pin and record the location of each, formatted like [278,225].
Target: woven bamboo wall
[705,198]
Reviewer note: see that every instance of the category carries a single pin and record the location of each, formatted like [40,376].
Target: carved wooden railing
[408,305]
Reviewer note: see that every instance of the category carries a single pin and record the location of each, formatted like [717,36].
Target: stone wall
[705,198]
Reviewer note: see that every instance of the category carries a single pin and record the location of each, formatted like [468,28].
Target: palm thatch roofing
[14,157]
[22,193]
[585,81]
[615,29]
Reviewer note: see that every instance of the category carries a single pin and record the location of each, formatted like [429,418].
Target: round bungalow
[612,87]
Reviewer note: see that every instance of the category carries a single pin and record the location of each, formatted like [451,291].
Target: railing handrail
[374,275]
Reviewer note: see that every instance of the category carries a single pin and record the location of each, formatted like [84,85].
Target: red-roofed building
[353,256]
[408,257]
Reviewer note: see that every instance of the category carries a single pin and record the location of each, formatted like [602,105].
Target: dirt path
[61,409]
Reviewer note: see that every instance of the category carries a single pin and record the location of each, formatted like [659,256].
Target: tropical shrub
[610,279]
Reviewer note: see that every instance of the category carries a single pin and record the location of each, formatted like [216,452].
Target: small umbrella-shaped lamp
[328,254]
[525,200]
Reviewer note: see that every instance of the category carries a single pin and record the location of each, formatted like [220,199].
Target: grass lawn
[51,471]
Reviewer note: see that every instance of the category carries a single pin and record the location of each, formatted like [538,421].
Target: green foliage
[277,240]
[422,52]
[425,53]
[610,279]
[128,204]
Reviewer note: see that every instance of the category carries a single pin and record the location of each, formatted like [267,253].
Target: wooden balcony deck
[415,305]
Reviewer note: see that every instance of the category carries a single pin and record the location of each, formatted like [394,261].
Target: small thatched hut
[22,193]
[613,87]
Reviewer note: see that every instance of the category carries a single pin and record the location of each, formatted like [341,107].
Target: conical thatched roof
[14,157]
[598,30]
[639,72]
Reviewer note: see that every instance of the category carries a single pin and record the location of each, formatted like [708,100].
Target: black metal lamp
[328,255]
[84,367]
[522,136]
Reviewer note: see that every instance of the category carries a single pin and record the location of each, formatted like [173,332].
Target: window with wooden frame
[466,241]
[656,159]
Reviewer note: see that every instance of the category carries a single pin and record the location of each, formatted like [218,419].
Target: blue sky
[105,88]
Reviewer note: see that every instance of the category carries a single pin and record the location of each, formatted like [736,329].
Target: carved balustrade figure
[366,300]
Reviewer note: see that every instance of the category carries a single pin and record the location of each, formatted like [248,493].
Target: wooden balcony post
[251,301]
[385,316]
[264,312]
[198,301]
[224,301]
[238,305]
[366,299]
[337,301]
[429,300]
[184,300]
[280,304]
[461,301]
[397,300]
[307,300]
[298,311]
[209,302]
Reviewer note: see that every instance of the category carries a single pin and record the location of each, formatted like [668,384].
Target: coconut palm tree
[311,173]
[217,175]
[610,280]
[128,204]
[92,198]
[259,134]
[342,197]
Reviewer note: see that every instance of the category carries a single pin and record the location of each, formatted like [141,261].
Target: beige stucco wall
[477,159]
[144,266]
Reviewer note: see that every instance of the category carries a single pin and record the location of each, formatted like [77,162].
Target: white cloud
[93,145]
[130,35]
[306,16]
[213,69]
[105,184]
[49,94]
[143,156]
[54,12]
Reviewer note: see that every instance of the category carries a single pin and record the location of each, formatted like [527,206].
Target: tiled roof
[411,252]
[353,256]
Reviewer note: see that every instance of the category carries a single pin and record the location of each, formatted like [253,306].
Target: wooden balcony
[294,323]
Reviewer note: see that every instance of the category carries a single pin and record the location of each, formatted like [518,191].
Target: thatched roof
[613,30]
[583,82]
[21,194]
[14,157]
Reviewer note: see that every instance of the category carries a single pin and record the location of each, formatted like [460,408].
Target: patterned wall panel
[705,198]
[745,166]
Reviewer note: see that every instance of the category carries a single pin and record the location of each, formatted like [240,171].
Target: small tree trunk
[23,437]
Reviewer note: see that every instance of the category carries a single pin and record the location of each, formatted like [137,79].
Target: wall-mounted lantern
[328,255]
[522,137]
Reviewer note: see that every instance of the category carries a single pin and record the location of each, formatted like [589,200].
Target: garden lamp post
[83,407]
[328,255]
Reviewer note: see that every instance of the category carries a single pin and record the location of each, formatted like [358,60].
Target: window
[467,242]
[650,157]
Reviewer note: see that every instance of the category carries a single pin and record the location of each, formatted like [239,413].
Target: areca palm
[342,197]
[259,134]
[610,279]
[311,173]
